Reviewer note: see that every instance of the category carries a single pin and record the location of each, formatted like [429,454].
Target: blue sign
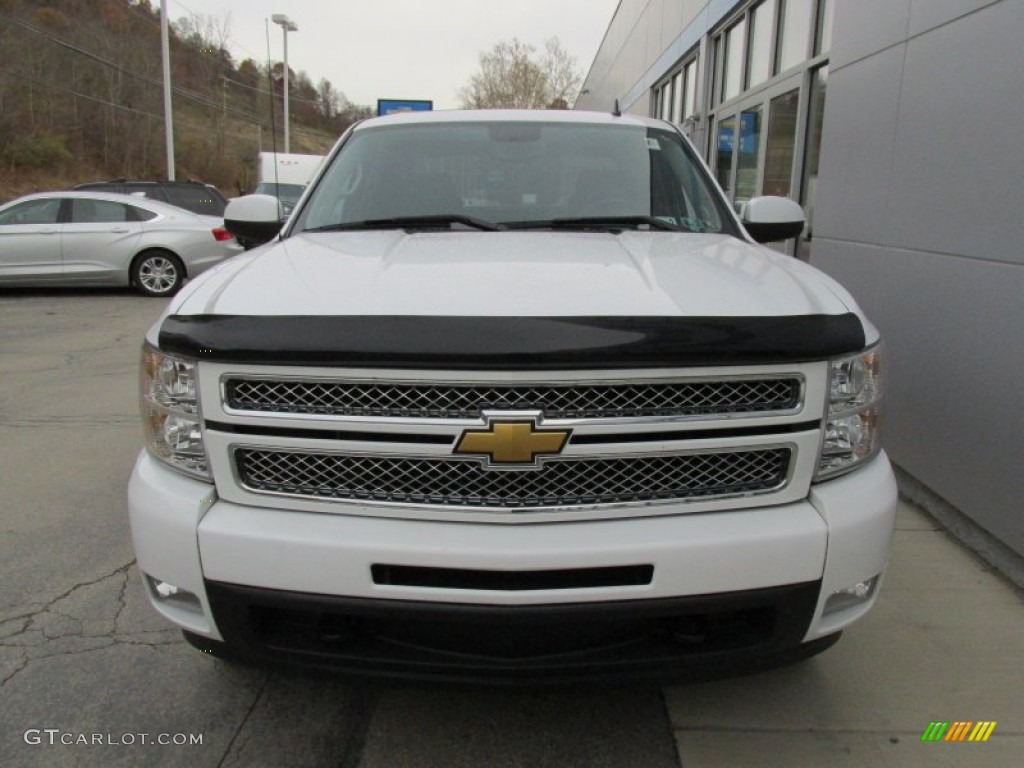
[390,106]
[725,131]
[750,132]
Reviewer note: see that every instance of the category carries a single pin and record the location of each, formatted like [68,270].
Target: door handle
[120,229]
[47,231]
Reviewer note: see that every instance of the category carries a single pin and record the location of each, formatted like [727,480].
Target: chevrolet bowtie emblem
[512,442]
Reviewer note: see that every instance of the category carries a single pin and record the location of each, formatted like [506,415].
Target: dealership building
[897,125]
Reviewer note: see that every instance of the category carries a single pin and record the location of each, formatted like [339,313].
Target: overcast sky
[402,49]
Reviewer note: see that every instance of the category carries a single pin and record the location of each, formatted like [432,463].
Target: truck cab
[513,396]
[285,176]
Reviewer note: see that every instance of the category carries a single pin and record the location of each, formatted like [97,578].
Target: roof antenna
[616,112]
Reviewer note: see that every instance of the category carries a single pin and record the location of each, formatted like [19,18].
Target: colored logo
[512,442]
[959,730]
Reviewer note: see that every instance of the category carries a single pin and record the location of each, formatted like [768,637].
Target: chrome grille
[557,483]
[456,401]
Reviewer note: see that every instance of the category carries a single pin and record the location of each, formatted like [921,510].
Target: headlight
[170,412]
[854,416]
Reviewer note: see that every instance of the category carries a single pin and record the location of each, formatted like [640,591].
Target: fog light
[166,593]
[851,597]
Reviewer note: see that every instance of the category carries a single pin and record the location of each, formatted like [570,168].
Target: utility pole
[224,111]
[287,25]
[165,47]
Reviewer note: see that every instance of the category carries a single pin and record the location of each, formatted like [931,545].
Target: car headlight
[854,419]
[170,412]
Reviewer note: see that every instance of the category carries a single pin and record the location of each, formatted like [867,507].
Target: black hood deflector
[510,343]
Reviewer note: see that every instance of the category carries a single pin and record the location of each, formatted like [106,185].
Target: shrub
[45,150]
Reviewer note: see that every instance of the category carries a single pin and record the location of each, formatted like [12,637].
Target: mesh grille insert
[456,401]
[467,483]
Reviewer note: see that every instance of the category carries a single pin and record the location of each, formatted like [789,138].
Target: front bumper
[694,637]
[299,585]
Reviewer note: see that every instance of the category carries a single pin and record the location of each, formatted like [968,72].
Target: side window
[32,212]
[195,199]
[667,200]
[140,214]
[687,191]
[85,211]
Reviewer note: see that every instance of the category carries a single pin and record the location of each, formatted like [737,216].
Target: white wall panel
[959,161]
[865,27]
[955,360]
[654,20]
[918,215]
[928,14]
[671,22]
[644,39]
[858,142]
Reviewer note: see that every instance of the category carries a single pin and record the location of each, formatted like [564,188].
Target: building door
[757,145]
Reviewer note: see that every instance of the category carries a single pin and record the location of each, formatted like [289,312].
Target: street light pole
[168,120]
[287,25]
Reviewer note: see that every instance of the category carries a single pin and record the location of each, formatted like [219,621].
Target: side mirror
[769,219]
[253,219]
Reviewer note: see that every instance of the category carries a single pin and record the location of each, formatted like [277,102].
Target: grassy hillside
[81,98]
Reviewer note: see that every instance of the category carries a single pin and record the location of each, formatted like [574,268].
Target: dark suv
[193,196]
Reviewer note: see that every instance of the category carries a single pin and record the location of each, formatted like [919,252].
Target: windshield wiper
[601,223]
[441,221]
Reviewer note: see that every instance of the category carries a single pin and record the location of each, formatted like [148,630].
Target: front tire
[157,273]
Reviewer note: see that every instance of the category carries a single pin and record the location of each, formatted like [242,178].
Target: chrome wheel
[158,274]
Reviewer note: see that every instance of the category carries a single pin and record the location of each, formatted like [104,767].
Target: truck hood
[513,274]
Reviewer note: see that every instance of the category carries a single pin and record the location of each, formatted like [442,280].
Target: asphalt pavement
[90,675]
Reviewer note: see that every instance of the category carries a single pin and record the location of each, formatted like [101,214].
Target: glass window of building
[762,98]
[667,98]
[690,80]
[660,95]
[717,68]
[762,30]
[819,84]
[778,159]
[748,154]
[733,56]
[823,41]
[677,100]
[723,153]
[795,32]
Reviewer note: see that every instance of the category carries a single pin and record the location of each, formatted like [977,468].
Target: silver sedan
[96,238]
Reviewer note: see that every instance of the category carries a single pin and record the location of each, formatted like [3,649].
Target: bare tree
[328,99]
[81,97]
[207,36]
[204,31]
[513,76]
[560,72]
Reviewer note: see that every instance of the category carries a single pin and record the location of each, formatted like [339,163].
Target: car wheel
[157,273]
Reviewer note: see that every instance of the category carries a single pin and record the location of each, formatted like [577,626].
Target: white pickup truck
[513,396]
[285,176]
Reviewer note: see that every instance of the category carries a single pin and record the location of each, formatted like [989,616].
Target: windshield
[515,173]
[286,193]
